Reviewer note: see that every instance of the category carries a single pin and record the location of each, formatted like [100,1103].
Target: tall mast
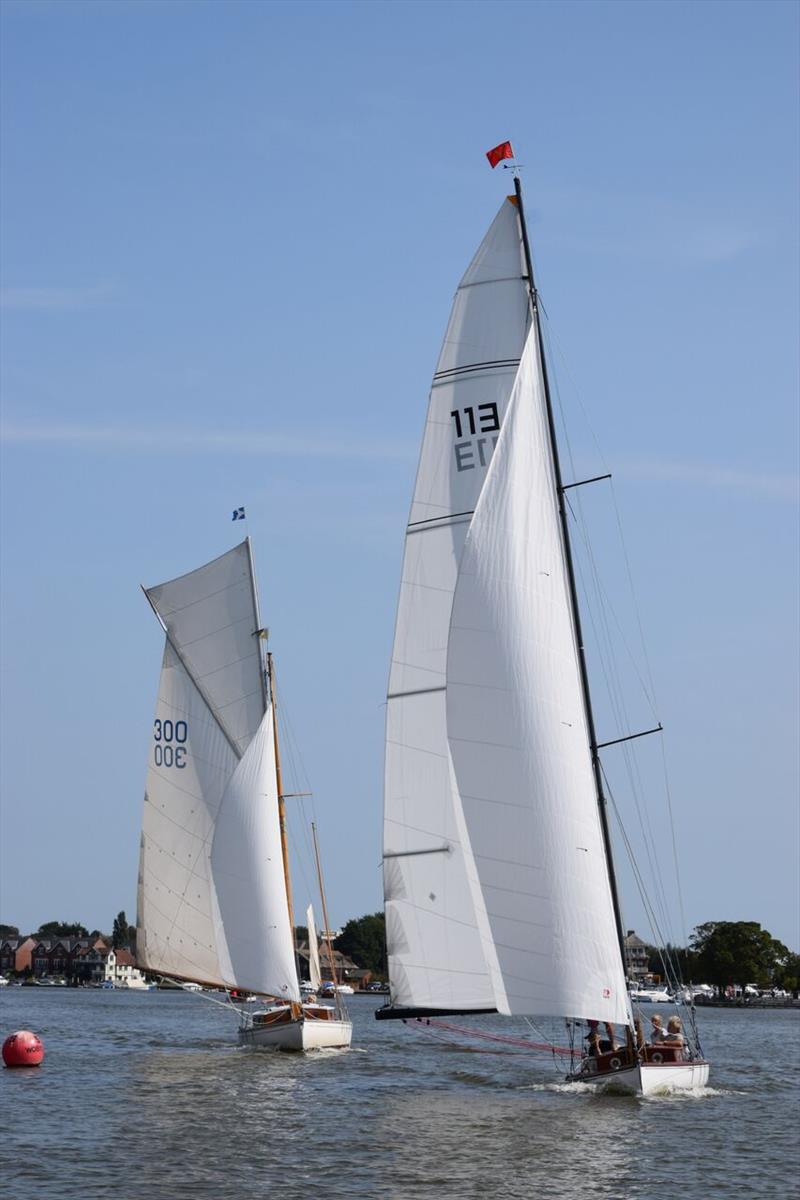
[602,804]
[325,918]
[279,781]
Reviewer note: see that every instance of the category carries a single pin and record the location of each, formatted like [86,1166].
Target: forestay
[435,945]
[212,900]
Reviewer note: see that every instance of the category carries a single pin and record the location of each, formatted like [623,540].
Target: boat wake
[666,1093]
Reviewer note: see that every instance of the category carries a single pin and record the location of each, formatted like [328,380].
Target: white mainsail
[433,939]
[212,900]
[496,883]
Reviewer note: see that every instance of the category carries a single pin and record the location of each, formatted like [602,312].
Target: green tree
[736,953]
[787,973]
[364,940]
[679,960]
[123,934]
[9,931]
[61,929]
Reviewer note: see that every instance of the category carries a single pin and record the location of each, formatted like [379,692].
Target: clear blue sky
[230,237]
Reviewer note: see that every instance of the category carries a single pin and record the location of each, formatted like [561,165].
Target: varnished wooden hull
[279,1029]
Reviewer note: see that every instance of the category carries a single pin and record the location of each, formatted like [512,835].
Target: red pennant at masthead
[500,152]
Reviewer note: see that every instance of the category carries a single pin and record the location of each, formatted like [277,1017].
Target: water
[147,1095]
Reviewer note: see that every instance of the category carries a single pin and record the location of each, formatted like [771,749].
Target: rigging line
[684,930]
[616,697]
[605,648]
[651,695]
[553,341]
[605,600]
[656,930]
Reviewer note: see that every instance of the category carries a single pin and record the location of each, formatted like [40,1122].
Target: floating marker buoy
[22,1049]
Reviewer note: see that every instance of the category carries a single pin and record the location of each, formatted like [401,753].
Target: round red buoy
[22,1049]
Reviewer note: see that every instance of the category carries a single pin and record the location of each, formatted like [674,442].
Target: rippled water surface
[147,1095]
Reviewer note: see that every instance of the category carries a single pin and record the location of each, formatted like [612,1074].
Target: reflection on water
[149,1096]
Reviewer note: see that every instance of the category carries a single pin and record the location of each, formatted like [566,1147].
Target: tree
[364,940]
[123,934]
[9,931]
[672,960]
[61,929]
[787,974]
[737,953]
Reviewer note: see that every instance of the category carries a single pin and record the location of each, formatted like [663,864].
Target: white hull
[300,1034]
[648,1078]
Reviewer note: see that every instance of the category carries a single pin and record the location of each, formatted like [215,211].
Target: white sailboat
[498,877]
[214,896]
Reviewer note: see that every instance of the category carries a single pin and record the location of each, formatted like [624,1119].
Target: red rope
[492,1037]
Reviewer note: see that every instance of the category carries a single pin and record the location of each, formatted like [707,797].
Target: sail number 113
[170,738]
[482,419]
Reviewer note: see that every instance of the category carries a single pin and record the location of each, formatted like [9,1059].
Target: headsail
[212,900]
[518,735]
[435,947]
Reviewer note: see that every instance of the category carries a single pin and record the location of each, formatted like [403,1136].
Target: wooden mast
[325,918]
[281,802]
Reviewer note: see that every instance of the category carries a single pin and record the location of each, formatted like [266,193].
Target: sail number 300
[170,738]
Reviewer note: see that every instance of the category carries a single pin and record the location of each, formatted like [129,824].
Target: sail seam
[199,600]
[422,966]
[225,666]
[214,632]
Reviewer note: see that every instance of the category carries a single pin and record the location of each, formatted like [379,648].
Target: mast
[328,942]
[602,804]
[281,802]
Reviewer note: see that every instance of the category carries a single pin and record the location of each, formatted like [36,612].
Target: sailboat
[214,896]
[499,884]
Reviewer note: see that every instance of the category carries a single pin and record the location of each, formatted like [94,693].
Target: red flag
[499,153]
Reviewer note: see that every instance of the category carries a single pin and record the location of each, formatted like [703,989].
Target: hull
[647,1079]
[277,1029]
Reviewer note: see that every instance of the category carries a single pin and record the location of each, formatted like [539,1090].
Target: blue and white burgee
[238,514]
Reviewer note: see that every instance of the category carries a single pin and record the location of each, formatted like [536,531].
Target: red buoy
[22,1049]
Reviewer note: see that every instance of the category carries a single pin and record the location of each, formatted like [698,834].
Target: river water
[144,1096]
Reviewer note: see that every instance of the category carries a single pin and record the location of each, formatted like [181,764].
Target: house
[15,955]
[346,970]
[80,959]
[121,969]
[636,956]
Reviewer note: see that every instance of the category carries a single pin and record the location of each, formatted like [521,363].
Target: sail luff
[573,591]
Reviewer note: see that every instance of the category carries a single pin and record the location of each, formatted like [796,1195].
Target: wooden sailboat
[214,896]
[499,885]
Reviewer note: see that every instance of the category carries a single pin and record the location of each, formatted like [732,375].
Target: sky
[230,235]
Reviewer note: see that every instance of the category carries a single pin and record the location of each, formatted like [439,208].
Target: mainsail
[212,900]
[496,880]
